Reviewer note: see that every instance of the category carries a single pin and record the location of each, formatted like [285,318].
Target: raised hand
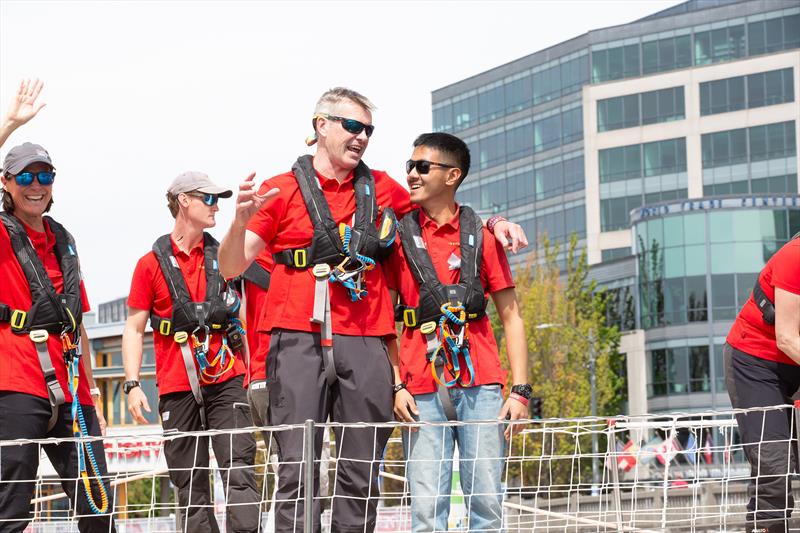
[248,201]
[23,106]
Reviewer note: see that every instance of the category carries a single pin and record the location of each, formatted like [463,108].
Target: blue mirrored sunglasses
[26,178]
[209,199]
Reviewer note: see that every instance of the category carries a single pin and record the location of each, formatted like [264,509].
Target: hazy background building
[669,146]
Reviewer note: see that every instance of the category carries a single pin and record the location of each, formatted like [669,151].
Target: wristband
[492,222]
[521,399]
[94,391]
[397,388]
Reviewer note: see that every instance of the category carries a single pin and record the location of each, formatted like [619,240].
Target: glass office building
[674,137]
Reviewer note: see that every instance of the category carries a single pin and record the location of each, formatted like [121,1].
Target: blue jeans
[481,447]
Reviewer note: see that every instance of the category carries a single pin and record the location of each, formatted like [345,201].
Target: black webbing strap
[444,393]
[764,304]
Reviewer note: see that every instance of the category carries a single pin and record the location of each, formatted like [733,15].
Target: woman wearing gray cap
[45,388]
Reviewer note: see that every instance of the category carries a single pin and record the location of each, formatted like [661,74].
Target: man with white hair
[328,222]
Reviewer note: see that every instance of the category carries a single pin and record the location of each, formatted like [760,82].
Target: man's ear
[453,175]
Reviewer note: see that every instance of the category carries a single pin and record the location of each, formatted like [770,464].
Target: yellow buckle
[18,317]
[409,318]
[472,315]
[300,259]
[216,326]
[39,335]
[181,337]
[323,270]
[165,327]
[427,328]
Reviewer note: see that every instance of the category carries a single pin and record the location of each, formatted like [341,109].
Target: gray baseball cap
[197,181]
[23,155]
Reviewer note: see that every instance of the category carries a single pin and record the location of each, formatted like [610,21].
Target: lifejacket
[433,294]
[764,304]
[326,243]
[221,303]
[50,311]
[60,314]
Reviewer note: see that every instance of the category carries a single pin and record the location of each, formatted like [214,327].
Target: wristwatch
[130,385]
[523,390]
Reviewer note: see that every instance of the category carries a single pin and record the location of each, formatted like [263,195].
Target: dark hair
[449,145]
[172,204]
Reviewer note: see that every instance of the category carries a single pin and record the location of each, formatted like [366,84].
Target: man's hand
[136,402]
[513,410]
[24,107]
[405,407]
[510,235]
[248,201]
[98,409]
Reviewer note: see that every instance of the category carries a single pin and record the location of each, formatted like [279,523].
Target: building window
[721,44]
[491,104]
[615,63]
[640,109]
[666,54]
[518,94]
[679,370]
[773,35]
[742,92]
[747,160]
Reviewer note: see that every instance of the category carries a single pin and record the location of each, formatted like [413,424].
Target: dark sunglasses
[351,125]
[209,199]
[423,167]
[26,178]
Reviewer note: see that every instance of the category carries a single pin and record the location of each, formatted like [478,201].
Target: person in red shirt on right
[762,369]
[449,367]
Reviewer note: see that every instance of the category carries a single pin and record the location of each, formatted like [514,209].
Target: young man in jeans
[449,366]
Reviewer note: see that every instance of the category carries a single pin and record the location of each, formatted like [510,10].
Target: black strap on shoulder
[316,205]
[326,244]
[257,275]
[433,293]
[50,310]
[764,304]
[67,255]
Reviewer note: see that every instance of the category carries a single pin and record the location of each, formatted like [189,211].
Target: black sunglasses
[423,166]
[350,125]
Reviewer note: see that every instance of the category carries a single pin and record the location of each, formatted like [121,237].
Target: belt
[322,316]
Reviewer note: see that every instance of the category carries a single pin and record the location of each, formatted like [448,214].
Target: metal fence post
[614,467]
[308,464]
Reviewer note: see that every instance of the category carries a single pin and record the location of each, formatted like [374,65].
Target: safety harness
[339,254]
[765,305]
[257,275]
[444,311]
[59,314]
[193,323]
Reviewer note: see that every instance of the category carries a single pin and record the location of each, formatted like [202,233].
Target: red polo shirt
[749,333]
[20,370]
[443,242]
[257,340]
[283,223]
[149,292]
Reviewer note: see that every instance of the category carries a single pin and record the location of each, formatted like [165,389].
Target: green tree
[573,309]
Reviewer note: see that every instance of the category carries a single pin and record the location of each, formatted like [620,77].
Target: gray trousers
[767,437]
[298,391]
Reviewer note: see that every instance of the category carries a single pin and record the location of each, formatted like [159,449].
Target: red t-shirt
[443,242]
[257,341]
[20,370]
[149,292]
[283,223]
[749,333]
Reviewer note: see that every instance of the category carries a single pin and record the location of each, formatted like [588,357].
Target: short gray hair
[331,97]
